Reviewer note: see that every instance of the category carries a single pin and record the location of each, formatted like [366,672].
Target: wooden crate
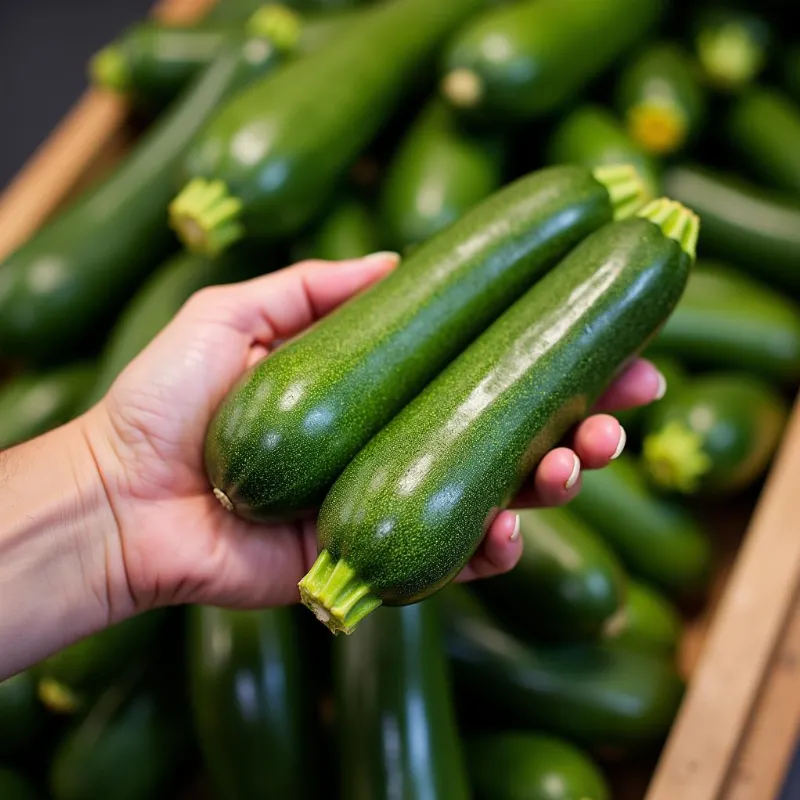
[739,722]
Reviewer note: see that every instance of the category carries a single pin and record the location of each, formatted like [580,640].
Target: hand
[176,544]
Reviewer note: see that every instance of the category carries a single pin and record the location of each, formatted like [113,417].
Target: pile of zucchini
[570,184]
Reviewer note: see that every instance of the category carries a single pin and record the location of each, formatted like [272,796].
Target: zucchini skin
[396,721]
[408,512]
[21,714]
[656,539]
[727,320]
[532,766]
[756,229]
[440,172]
[380,349]
[566,586]
[235,732]
[350,230]
[14,786]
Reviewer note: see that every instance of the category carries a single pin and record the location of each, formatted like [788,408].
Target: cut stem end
[675,459]
[625,187]
[730,56]
[463,88]
[108,69]
[676,222]
[276,23]
[658,126]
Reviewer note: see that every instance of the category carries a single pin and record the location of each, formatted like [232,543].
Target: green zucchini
[34,403]
[661,99]
[593,137]
[395,718]
[674,373]
[656,539]
[249,702]
[237,11]
[755,229]
[532,766]
[349,230]
[21,714]
[252,174]
[725,319]
[408,512]
[286,431]
[717,434]
[790,72]
[75,273]
[440,172]
[567,586]
[597,695]
[14,786]
[534,57]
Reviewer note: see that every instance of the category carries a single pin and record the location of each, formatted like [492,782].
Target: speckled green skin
[739,418]
[596,695]
[566,585]
[285,433]
[281,146]
[14,786]
[535,56]
[254,744]
[755,229]
[349,231]
[656,539]
[725,319]
[651,621]
[592,137]
[440,172]
[396,727]
[412,506]
[21,714]
[532,766]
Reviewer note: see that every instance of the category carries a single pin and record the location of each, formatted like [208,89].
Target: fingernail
[575,474]
[623,439]
[662,386]
[384,255]
[515,533]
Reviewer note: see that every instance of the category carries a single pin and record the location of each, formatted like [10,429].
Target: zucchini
[756,229]
[597,695]
[395,718]
[717,434]
[249,702]
[21,714]
[656,539]
[14,786]
[567,586]
[661,99]
[674,373]
[440,172]
[76,272]
[790,74]
[34,403]
[592,136]
[349,230]
[272,450]
[727,320]
[533,58]
[237,11]
[251,174]
[410,509]
[532,766]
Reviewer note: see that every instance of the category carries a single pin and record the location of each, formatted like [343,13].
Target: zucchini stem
[625,187]
[56,697]
[463,88]
[276,23]
[108,69]
[658,125]
[676,222]
[674,458]
[729,55]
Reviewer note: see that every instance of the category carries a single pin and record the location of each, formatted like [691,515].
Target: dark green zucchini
[395,719]
[349,230]
[790,72]
[21,714]
[596,695]
[250,704]
[751,227]
[72,277]
[725,319]
[252,174]
[408,512]
[532,766]
[286,431]
[660,98]
[534,57]
[717,434]
[567,585]
[440,172]
[34,403]
[674,374]
[14,786]
[656,539]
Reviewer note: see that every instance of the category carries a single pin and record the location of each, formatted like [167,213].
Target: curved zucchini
[440,172]
[286,431]
[350,230]
[657,540]
[21,714]
[251,173]
[717,434]
[534,57]
[725,319]
[756,229]
[396,722]
[255,740]
[596,695]
[660,98]
[532,766]
[14,786]
[567,586]
[76,272]
[34,403]
[408,512]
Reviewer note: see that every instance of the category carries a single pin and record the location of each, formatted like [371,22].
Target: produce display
[571,185]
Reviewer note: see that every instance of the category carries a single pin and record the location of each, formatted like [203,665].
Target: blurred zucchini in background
[14,786]
[789,75]
[237,11]
[21,714]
